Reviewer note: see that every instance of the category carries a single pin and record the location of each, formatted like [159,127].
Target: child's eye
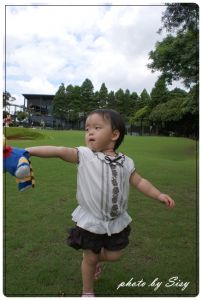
[97,127]
[86,129]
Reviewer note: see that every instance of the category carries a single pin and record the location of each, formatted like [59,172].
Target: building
[39,107]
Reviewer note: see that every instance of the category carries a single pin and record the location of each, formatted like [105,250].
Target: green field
[163,253]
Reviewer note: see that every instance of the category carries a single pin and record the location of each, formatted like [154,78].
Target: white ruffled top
[102,191]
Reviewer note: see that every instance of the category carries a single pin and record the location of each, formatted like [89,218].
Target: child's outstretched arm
[146,187]
[65,153]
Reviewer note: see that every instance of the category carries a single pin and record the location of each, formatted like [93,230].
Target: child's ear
[115,135]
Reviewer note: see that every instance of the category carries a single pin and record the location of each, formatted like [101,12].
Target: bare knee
[90,257]
[111,255]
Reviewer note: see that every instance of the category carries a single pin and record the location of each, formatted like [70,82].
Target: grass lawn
[161,258]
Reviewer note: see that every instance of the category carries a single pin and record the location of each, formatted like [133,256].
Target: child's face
[99,133]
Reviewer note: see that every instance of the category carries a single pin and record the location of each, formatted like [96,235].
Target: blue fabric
[10,163]
[24,185]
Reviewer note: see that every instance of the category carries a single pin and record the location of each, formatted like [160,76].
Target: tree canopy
[177,55]
[181,16]
[7,99]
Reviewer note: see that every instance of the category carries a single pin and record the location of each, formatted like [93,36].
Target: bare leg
[106,255]
[89,263]
[88,266]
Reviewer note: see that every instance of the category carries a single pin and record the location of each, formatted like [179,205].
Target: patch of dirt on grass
[19,137]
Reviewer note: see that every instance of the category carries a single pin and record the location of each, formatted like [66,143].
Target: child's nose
[91,131]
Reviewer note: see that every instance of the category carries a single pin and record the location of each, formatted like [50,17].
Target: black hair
[116,121]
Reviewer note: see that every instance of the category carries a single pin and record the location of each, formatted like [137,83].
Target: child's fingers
[167,200]
[170,202]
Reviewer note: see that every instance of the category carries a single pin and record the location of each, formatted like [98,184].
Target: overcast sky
[48,45]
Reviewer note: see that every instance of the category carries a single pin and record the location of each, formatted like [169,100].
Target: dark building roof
[38,96]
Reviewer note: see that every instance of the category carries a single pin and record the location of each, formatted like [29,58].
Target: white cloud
[47,45]
[37,84]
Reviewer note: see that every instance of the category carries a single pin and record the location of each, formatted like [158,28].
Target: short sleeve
[84,154]
[130,165]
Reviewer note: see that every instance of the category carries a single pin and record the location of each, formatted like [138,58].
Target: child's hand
[167,200]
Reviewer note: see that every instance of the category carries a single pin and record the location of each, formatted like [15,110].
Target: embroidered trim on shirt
[113,163]
[115,192]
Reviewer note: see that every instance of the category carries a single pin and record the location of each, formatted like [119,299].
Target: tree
[87,97]
[172,115]
[192,101]
[144,99]
[134,101]
[21,115]
[76,98]
[103,96]
[120,98]
[168,112]
[177,56]
[73,102]
[140,116]
[181,16]
[111,100]
[159,93]
[7,99]
[60,107]
[129,104]
[190,109]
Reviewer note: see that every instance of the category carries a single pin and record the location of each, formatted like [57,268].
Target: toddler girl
[104,175]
